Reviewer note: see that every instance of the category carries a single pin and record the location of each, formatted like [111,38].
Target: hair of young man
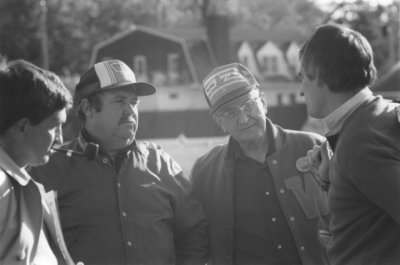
[94,101]
[340,57]
[27,91]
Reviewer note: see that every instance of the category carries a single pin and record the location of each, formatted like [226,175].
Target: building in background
[177,59]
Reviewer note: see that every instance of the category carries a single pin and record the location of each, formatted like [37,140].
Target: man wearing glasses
[261,201]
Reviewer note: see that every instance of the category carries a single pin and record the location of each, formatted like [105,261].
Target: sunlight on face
[115,125]
[41,138]
[244,120]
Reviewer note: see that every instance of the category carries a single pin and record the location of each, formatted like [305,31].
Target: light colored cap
[108,75]
[227,83]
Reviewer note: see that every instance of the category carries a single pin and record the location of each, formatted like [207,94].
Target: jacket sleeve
[191,232]
[189,222]
[374,168]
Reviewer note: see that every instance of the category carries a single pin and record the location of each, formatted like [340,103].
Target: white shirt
[44,254]
[335,120]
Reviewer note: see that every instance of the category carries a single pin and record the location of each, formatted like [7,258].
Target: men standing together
[253,200]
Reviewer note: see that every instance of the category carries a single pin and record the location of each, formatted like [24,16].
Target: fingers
[326,155]
[318,160]
[314,156]
[325,151]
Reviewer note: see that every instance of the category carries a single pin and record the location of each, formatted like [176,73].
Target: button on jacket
[299,195]
[138,214]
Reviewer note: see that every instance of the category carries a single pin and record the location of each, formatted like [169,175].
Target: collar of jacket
[9,166]
[84,137]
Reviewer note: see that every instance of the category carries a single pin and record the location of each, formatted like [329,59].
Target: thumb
[326,151]
[326,155]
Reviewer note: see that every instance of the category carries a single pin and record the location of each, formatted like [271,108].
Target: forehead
[57,118]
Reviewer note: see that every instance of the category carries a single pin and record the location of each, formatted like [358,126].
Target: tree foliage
[74,26]
[380,25]
[19,29]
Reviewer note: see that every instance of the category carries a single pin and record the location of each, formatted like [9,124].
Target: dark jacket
[301,200]
[139,215]
[364,194]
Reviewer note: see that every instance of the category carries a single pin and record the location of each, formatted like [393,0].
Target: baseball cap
[227,83]
[108,75]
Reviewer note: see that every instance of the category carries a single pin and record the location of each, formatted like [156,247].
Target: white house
[271,60]
[292,57]
[246,56]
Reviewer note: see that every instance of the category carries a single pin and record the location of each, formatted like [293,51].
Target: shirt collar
[335,120]
[12,169]
[84,138]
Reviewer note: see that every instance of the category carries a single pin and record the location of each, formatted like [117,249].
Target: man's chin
[129,138]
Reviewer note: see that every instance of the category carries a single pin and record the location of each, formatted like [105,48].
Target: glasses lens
[248,107]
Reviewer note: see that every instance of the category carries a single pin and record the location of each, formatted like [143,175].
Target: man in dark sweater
[363,176]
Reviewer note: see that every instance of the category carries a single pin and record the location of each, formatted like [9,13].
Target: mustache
[127,119]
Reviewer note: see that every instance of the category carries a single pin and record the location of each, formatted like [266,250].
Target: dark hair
[95,102]
[340,57]
[28,91]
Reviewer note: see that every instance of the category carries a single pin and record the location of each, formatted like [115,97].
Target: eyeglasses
[249,107]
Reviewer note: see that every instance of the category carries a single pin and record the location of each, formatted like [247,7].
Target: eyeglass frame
[232,114]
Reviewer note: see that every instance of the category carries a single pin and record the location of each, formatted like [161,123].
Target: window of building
[172,62]
[270,64]
[173,68]
[140,67]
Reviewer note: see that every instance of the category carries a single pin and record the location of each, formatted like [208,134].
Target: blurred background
[175,43]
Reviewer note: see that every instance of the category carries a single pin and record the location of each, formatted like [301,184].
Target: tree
[74,27]
[380,25]
[19,26]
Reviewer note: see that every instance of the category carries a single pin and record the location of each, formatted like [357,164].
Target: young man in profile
[362,181]
[33,106]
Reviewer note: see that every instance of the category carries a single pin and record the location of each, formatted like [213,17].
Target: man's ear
[86,108]
[218,121]
[20,129]
[23,125]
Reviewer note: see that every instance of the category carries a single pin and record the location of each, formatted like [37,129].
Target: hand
[318,159]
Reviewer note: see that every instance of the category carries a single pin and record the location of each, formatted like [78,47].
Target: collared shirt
[43,253]
[262,234]
[335,120]
[115,160]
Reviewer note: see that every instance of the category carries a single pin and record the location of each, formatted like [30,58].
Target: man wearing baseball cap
[261,201]
[129,204]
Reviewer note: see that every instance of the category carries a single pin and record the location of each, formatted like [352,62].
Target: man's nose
[242,116]
[130,108]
